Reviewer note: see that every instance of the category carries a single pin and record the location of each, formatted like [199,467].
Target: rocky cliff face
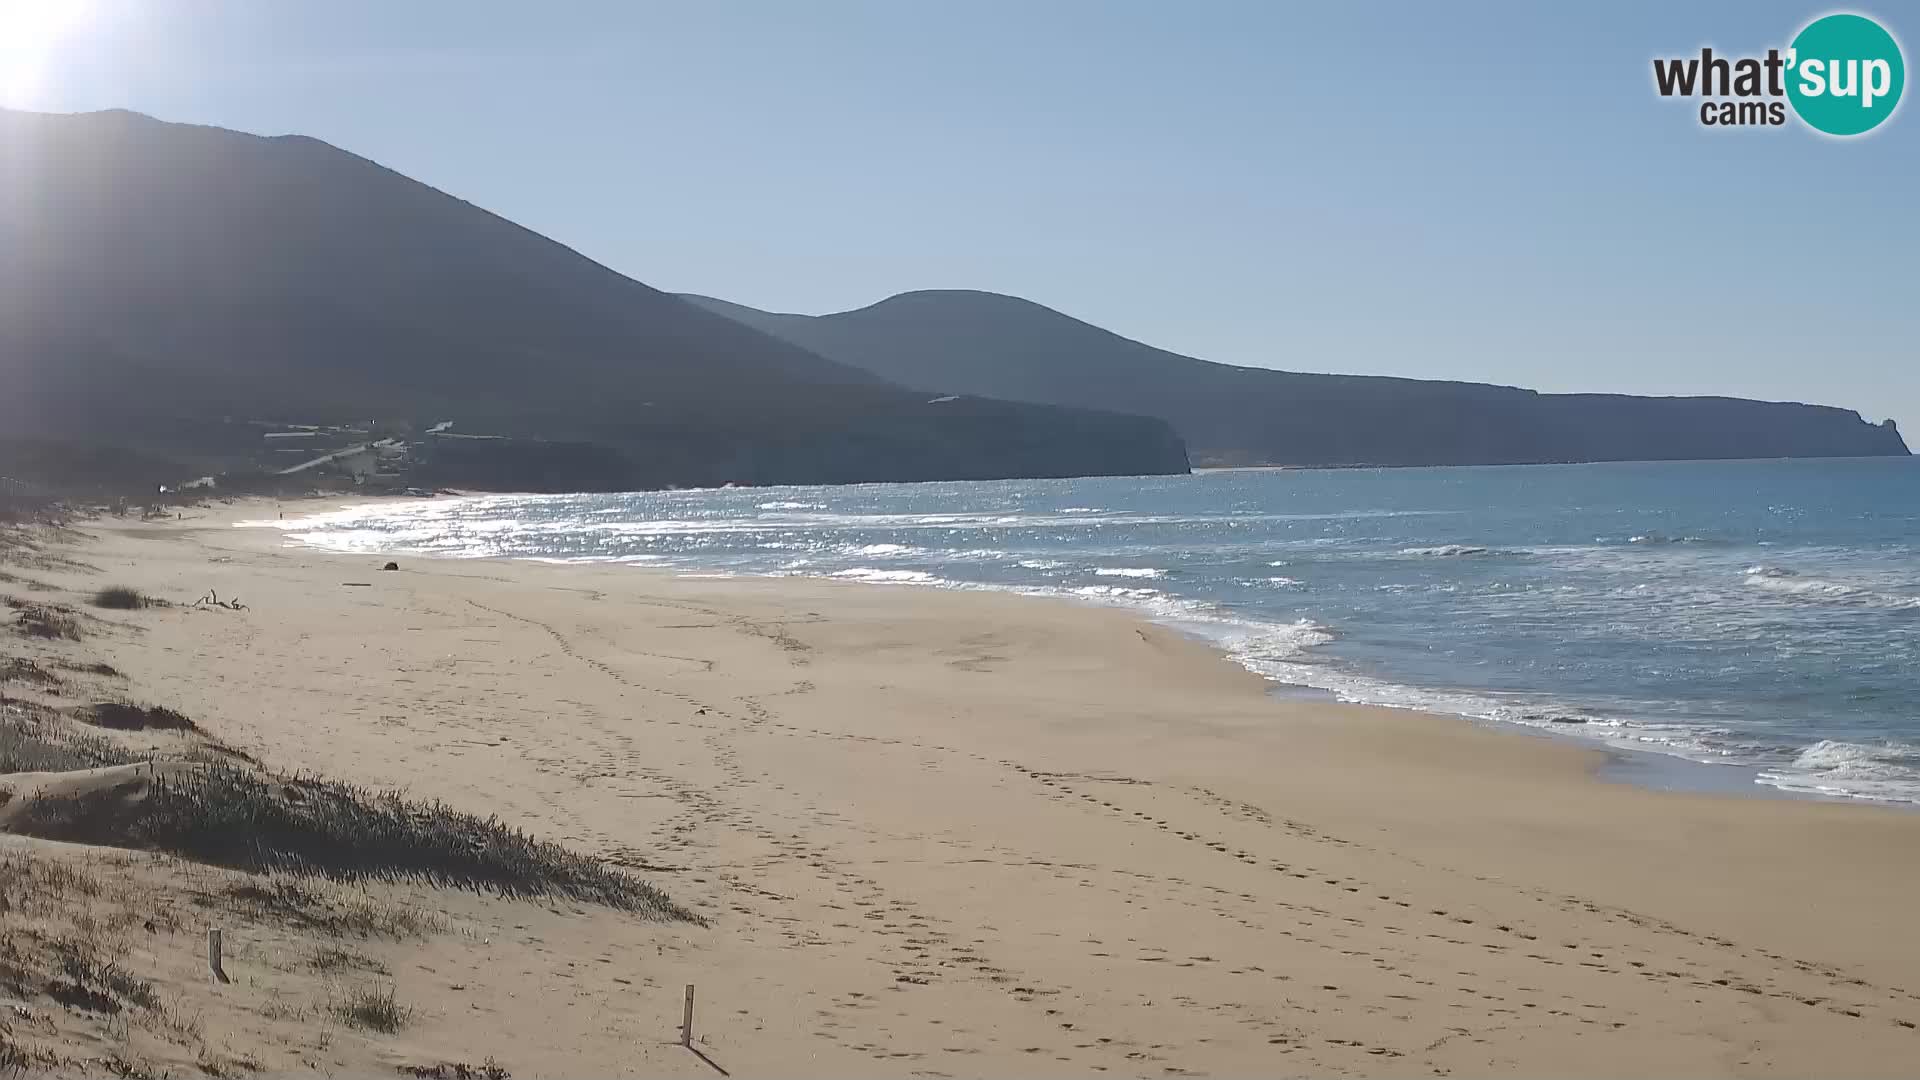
[154,276]
[982,343]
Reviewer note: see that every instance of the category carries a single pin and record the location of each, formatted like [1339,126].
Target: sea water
[1761,613]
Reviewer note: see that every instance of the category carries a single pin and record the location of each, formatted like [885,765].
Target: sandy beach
[961,834]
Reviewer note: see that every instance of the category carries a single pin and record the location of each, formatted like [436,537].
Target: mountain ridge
[974,341]
[157,279]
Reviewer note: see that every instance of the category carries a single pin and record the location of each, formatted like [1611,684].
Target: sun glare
[31,33]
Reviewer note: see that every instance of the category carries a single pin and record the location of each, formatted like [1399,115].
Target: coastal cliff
[985,343]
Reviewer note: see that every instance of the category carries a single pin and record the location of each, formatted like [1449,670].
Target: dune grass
[27,672]
[120,598]
[329,908]
[75,962]
[371,1009]
[333,960]
[69,923]
[212,805]
[19,1060]
[230,815]
[34,740]
[51,621]
[102,984]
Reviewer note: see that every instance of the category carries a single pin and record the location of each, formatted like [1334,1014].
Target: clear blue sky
[1489,191]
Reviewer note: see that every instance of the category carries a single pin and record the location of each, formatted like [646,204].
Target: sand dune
[947,834]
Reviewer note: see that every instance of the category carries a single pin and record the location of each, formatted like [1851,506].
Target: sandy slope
[964,834]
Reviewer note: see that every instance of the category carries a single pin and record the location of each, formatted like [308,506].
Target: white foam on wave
[879,576]
[1661,538]
[1040,564]
[493,525]
[1455,551]
[1886,771]
[1118,592]
[907,551]
[1676,740]
[1821,590]
[570,560]
[1258,646]
[1130,572]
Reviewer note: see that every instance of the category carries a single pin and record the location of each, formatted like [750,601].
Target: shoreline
[964,833]
[1652,767]
[1647,770]
[1546,464]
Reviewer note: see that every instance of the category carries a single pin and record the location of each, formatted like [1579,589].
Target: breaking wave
[1447,551]
[1857,770]
[1820,590]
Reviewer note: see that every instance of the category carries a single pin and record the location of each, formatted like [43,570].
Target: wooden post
[686,1023]
[213,955]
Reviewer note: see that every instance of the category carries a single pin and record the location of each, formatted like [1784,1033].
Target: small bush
[368,1008]
[121,716]
[47,621]
[120,598]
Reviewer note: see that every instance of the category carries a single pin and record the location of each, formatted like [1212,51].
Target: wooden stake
[686,1024]
[213,956]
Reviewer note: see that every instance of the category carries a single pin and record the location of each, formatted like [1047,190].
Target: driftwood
[212,600]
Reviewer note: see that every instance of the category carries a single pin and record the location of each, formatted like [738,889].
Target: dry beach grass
[83,971]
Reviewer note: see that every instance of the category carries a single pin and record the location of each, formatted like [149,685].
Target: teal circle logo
[1845,74]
